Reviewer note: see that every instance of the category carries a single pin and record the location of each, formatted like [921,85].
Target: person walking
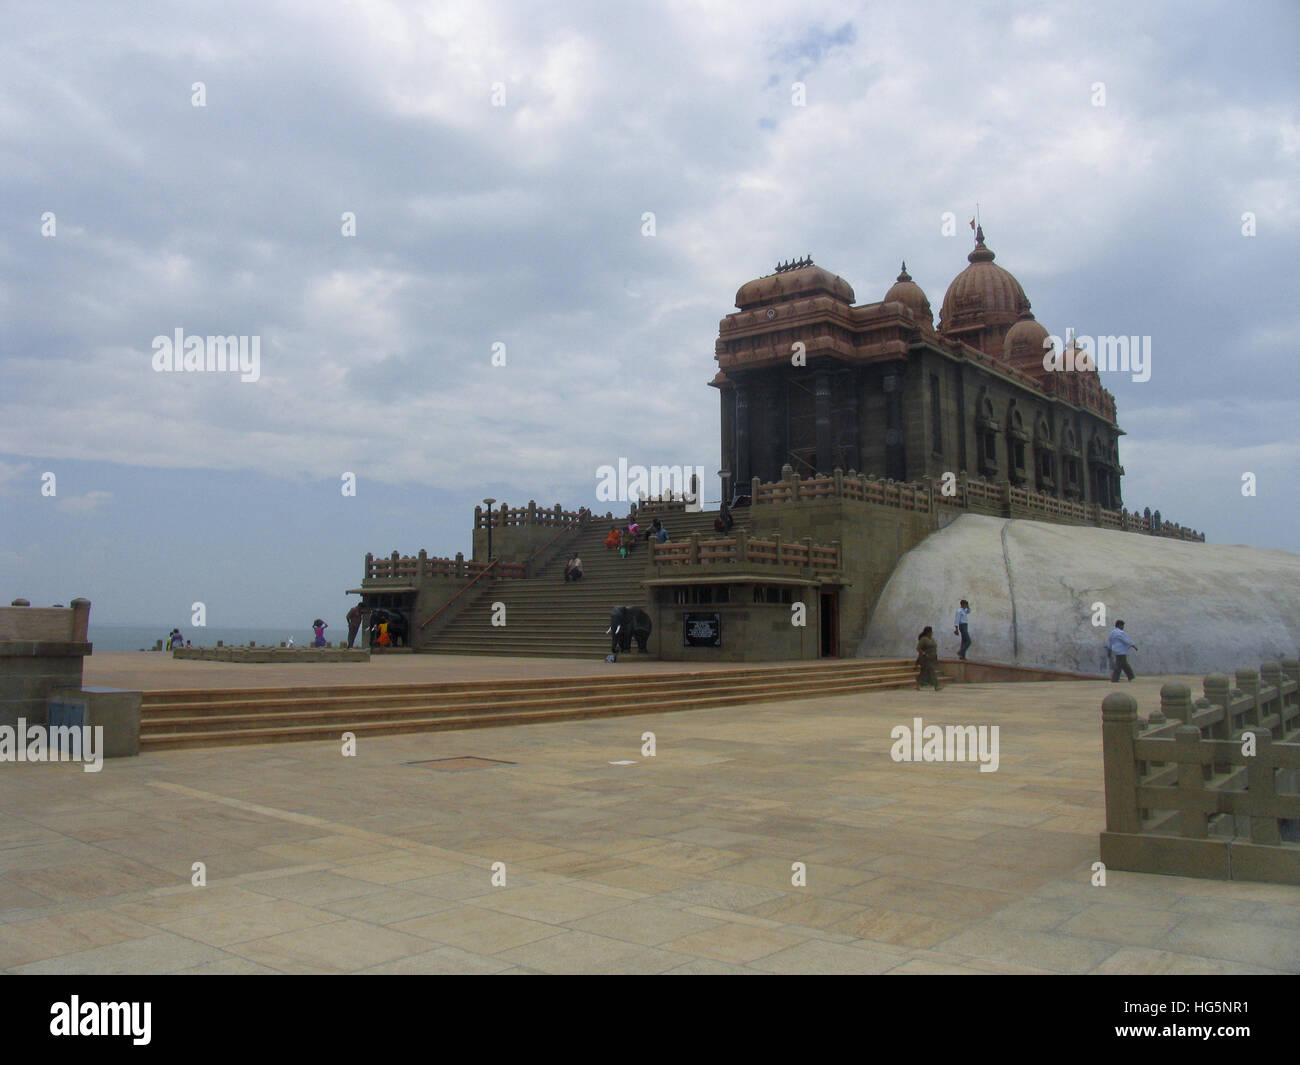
[1120,643]
[354,623]
[961,627]
[927,655]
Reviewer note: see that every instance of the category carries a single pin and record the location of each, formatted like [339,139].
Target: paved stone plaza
[678,863]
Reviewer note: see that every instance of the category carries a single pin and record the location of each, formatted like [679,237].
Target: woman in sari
[927,656]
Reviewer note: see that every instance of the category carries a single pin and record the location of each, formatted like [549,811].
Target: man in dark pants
[354,623]
[1120,644]
[961,627]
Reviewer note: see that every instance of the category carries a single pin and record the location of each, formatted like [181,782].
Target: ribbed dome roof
[910,294]
[983,294]
[1025,339]
[806,281]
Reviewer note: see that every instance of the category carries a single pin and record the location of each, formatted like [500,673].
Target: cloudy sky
[498,160]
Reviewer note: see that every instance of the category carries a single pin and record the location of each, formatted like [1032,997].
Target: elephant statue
[626,622]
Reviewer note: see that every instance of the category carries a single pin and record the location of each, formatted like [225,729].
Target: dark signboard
[701,630]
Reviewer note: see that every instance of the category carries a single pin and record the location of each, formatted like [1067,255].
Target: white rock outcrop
[1032,586]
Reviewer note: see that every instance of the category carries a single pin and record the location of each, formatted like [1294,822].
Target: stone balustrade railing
[404,567]
[1003,498]
[742,548]
[547,517]
[1207,787]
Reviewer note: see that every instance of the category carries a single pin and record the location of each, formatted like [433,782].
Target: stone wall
[751,632]
[41,651]
[872,538]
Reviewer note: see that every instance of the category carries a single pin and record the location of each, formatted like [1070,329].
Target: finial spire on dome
[904,276]
[980,254]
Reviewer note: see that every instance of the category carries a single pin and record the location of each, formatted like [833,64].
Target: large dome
[982,296]
[807,280]
[910,294]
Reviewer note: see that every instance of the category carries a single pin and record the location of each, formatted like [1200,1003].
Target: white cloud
[86,503]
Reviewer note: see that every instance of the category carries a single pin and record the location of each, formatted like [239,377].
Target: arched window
[1017,438]
[986,432]
[1045,457]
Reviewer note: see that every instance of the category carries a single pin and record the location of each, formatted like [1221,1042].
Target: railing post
[1118,716]
[1176,701]
[742,545]
[1261,794]
[1191,781]
[422,565]
[754,482]
[837,476]
[778,540]
[370,565]
[695,549]
[808,556]
[1248,682]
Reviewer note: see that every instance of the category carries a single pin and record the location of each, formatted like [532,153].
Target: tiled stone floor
[680,863]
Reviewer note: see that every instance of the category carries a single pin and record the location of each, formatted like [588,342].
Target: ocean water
[142,638]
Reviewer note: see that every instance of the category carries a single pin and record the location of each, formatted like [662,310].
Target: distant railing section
[1200,778]
[744,549]
[659,505]
[405,567]
[1002,498]
[547,517]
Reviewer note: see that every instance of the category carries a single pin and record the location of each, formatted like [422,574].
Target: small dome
[786,284]
[910,294]
[983,294]
[1025,343]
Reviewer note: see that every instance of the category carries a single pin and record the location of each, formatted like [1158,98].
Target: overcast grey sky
[521,224]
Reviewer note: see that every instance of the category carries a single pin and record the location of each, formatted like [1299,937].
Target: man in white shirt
[1119,643]
[961,627]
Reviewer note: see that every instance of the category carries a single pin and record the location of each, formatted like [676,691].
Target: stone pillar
[849,432]
[1118,716]
[822,396]
[895,456]
[742,469]
[774,444]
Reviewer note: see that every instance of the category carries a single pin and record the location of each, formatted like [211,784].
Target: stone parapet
[41,649]
[1207,787]
[1000,499]
[282,655]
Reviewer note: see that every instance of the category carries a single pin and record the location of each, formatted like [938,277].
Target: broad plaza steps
[1033,588]
[226,717]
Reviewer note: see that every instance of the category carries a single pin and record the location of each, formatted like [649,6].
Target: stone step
[341,718]
[856,667]
[262,727]
[161,705]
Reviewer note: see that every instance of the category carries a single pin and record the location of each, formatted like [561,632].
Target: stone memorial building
[808,379]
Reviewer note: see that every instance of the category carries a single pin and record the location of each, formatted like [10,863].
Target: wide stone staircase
[223,718]
[544,616]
